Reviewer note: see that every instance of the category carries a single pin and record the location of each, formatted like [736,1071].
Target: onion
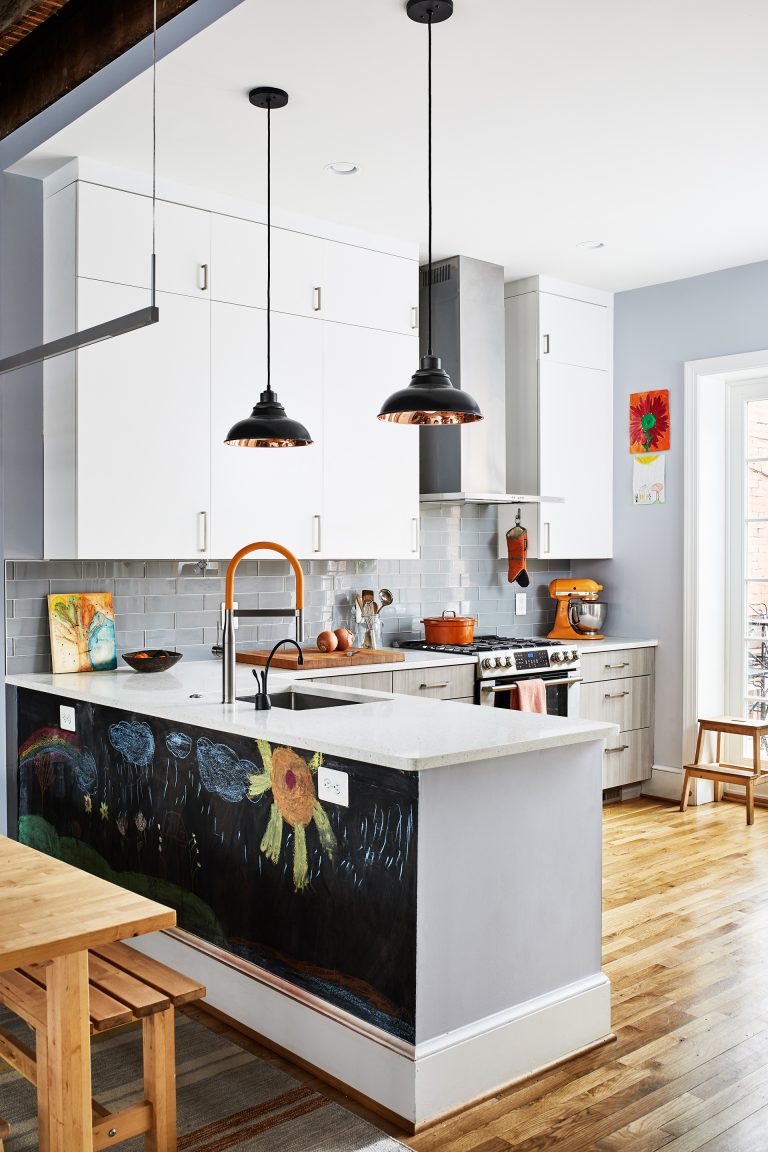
[345,638]
[327,642]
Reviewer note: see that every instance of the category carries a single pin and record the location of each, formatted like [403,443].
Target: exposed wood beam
[20,17]
[62,52]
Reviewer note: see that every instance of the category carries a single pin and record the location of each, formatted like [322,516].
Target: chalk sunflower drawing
[294,801]
[649,421]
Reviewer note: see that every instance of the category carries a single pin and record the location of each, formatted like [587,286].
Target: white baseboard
[665,782]
[417,1083]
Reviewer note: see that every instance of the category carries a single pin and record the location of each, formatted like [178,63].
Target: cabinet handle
[621,748]
[548,537]
[545,345]
[414,317]
[202,531]
[317,299]
[444,684]
[615,667]
[615,695]
[415,534]
[317,541]
[203,279]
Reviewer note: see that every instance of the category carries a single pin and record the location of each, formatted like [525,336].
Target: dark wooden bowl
[152,659]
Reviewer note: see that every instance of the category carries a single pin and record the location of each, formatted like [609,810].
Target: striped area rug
[228,1099]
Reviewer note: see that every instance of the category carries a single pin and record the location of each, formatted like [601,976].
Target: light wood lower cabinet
[618,689]
[453,682]
[372,681]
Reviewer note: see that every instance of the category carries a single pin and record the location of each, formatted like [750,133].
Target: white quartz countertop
[402,732]
[613,644]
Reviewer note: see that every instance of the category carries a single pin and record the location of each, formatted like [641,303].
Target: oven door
[562,693]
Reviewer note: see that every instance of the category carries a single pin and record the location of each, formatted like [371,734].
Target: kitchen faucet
[262,701]
[230,611]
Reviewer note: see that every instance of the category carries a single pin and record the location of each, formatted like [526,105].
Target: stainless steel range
[503,660]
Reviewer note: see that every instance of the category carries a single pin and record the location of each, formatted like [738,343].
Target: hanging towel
[529,696]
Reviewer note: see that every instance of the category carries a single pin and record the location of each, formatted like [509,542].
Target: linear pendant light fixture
[430,398]
[131,321]
[268,426]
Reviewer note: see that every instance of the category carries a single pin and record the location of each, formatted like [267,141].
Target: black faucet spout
[263,702]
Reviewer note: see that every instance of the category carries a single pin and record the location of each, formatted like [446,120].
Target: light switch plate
[67,718]
[521,603]
[333,786]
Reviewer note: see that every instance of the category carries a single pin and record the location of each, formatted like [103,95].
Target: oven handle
[569,681]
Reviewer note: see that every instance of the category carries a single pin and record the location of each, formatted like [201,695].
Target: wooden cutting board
[314,658]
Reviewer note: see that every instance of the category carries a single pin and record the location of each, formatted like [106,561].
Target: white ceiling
[641,123]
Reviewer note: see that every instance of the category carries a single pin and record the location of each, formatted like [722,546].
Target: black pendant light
[430,398]
[268,426]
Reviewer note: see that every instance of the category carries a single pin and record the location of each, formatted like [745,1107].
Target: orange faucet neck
[268,546]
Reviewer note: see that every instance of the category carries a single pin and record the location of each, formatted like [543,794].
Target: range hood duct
[467,463]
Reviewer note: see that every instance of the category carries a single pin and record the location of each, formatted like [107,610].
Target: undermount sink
[299,701]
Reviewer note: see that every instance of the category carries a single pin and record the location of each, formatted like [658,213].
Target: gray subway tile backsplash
[170,603]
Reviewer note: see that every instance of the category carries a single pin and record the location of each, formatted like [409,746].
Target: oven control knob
[490,662]
[507,661]
[574,654]
[557,657]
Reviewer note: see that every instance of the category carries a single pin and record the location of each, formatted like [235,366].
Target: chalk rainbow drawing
[60,748]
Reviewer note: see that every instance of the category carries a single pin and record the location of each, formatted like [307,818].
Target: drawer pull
[444,684]
[317,299]
[615,667]
[615,695]
[621,748]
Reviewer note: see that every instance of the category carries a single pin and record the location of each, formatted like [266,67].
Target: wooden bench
[753,730]
[125,987]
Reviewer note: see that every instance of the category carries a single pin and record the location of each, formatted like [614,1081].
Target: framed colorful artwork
[82,628]
[649,421]
[648,480]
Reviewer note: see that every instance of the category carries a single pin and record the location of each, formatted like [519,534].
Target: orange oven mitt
[517,550]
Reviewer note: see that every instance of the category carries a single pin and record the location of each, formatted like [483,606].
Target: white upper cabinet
[573,331]
[370,289]
[371,468]
[143,444]
[265,493]
[560,434]
[238,261]
[114,241]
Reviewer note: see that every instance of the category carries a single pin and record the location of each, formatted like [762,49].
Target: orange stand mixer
[579,616]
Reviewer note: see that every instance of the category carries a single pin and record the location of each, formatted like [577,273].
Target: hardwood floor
[685,945]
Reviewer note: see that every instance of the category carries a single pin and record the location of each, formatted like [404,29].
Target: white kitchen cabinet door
[238,261]
[575,461]
[265,493]
[143,452]
[573,332]
[297,273]
[371,468]
[114,241]
[370,288]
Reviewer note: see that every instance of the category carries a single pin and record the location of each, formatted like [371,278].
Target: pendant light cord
[154,147]
[269,246]
[429,183]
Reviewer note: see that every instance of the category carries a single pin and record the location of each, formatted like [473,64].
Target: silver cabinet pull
[414,317]
[203,278]
[621,748]
[415,534]
[548,537]
[615,695]
[317,542]
[545,345]
[444,684]
[616,667]
[202,531]
[317,299]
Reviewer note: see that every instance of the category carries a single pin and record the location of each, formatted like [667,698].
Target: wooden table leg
[69,1055]
[160,1080]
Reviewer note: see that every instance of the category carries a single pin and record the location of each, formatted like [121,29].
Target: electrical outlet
[333,786]
[521,603]
[67,718]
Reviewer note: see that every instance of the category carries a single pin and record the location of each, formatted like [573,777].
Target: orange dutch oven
[449,629]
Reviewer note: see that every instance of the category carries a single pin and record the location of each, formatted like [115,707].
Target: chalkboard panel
[229,832]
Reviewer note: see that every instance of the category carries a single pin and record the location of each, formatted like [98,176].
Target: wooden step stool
[125,986]
[728,773]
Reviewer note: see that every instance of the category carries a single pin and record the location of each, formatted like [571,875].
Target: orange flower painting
[649,421]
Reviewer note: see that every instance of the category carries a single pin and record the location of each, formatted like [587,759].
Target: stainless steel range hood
[467,464]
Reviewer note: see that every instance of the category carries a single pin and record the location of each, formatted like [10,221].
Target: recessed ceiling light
[590,244]
[342,168]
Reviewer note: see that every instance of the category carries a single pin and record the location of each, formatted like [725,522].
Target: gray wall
[159,605]
[656,330]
